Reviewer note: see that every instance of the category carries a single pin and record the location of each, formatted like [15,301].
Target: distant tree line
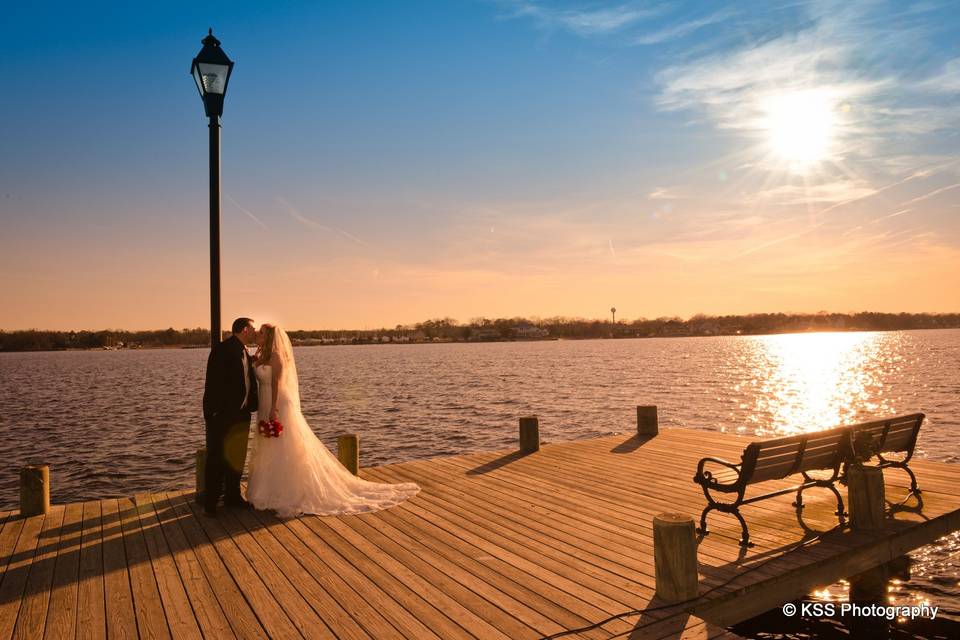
[33,340]
[480,329]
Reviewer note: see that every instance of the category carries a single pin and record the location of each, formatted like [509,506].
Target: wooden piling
[34,490]
[865,495]
[529,434]
[675,557]
[201,478]
[870,585]
[348,452]
[647,421]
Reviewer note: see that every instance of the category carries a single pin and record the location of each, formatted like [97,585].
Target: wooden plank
[8,542]
[365,586]
[121,619]
[515,611]
[91,608]
[508,550]
[582,543]
[62,609]
[17,573]
[542,598]
[262,601]
[243,621]
[300,577]
[457,600]
[147,603]
[409,598]
[209,615]
[363,611]
[278,584]
[33,609]
[173,595]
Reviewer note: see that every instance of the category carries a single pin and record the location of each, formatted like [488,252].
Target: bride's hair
[265,350]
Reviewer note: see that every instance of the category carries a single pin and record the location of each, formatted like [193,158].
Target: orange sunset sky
[383,164]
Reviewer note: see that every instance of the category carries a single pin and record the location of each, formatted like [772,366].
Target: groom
[229,395]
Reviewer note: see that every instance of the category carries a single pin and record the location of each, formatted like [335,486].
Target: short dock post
[675,557]
[201,478]
[348,452]
[870,585]
[647,422]
[866,588]
[34,490]
[865,495]
[529,434]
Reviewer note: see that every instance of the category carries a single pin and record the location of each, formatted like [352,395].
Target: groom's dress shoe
[210,512]
[239,503]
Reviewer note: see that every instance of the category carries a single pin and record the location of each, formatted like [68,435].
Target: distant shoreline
[367,342]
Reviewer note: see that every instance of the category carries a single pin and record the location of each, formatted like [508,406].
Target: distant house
[485,334]
[526,330]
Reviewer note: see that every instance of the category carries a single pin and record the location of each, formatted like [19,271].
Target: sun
[800,126]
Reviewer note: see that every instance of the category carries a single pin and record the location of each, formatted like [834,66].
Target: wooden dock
[497,545]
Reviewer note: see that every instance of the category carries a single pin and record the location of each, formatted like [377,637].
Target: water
[120,422]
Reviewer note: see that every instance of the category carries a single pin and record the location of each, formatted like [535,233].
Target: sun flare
[800,126]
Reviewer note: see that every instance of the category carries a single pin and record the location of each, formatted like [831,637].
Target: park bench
[774,460]
[830,451]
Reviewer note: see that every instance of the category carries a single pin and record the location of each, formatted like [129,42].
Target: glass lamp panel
[212,76]
[197,79]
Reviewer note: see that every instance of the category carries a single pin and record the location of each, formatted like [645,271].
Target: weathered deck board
[33,609]
[121,619]
[496,545]
[91,606]
[62,609]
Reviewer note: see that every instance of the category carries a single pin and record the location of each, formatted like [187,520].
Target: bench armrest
[706,478]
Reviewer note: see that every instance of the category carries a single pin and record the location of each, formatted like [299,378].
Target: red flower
[271,429]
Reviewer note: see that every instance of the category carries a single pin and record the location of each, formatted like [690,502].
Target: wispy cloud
[313,224]
[895,214]
[780,240]
[246,211]
[845,190]
[946,81]
[681,29]
[584,22]
[932,194]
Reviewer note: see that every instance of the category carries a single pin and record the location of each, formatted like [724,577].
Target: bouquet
[271,429]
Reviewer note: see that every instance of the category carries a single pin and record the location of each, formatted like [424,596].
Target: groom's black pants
[226,454]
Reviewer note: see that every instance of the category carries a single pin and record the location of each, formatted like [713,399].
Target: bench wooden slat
[808,454]
[786,444]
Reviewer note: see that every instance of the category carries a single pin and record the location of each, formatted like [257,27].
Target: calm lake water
[119,422]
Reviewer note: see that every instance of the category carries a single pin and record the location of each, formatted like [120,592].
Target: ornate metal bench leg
[745,539]
[914,489]
[840,512]
[702,530]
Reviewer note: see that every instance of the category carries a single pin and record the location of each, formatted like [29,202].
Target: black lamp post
[211,69]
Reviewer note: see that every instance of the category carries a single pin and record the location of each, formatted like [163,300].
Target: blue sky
[386,162]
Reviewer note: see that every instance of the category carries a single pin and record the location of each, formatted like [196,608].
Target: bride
[295,473]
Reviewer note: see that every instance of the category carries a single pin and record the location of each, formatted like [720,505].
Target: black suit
[227,403]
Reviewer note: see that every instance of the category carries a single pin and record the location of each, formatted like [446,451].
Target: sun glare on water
[800,127]
[812,381]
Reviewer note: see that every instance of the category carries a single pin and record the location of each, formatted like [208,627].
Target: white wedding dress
[295,473]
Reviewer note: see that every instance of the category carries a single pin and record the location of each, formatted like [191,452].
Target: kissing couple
[291,471]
